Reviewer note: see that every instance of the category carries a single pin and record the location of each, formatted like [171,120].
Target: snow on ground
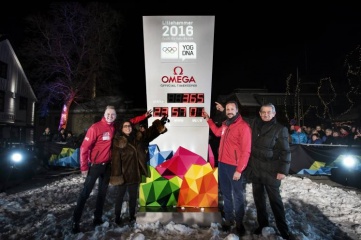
[313,211]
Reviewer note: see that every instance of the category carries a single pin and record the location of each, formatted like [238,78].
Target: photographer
[129,162]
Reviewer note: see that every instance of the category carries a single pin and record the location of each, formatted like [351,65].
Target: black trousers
[274,196]
[133,195]
[100,172]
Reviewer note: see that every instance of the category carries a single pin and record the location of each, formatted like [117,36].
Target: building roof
[16,73]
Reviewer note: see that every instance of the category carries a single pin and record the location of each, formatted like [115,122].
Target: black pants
[274,196]
[102,173]
[133,195]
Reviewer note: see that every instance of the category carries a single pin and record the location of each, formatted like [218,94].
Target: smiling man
[95,158]
[233,155]
[268,166]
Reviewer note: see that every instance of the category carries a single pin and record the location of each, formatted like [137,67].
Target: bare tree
[347,97]
[70,53]
[353,72]
[322,100]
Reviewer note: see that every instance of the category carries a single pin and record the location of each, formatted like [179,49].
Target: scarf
[229,121]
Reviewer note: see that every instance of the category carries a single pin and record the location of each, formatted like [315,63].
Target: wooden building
[17,98]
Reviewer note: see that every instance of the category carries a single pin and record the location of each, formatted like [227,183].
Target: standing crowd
[337,135]
[62,136]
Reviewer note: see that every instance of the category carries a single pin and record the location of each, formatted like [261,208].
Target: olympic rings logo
[169,49]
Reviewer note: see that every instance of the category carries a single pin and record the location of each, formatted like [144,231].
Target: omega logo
[178,77]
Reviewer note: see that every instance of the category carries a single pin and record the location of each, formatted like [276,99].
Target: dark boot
[286,236]
[241,231]
[97,221]
[118,220]
[75,228]
[258,231]
[132,220]
[226,225]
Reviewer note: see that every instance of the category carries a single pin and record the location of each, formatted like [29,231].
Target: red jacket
[138,119]
[235,144]
[96,146]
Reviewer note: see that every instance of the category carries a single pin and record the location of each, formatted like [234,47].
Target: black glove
[164,119]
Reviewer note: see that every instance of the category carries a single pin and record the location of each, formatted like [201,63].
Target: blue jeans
[232,192]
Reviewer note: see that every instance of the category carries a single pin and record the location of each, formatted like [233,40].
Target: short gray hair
[109,107]
[269,105]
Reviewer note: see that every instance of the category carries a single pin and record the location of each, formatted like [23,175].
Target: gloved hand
[84,174]
[164,119]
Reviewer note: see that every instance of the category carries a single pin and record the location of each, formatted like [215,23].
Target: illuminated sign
[178,54]
[185,98]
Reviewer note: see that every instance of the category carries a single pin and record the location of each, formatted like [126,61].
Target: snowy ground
[314,211]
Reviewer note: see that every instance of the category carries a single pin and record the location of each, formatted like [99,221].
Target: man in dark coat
[268,166]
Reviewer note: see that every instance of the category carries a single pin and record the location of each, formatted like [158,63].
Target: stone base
[203,217]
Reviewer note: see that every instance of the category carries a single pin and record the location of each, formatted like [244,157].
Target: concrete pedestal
[186,215]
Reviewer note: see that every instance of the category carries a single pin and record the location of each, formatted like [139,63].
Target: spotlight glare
[349,161]
[16,157]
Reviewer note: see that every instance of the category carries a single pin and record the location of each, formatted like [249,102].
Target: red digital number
[200,97]
[178,111]
[160,111]
[195,111]
[193,97]
[185,98]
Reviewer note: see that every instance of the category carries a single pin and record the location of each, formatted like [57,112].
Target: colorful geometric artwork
[157,191]
[199,187]
[179,164]
[159,158]
[183,180]
[68,157]
[153,149]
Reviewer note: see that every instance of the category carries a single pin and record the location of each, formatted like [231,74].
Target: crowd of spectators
[62,136]
[337,135]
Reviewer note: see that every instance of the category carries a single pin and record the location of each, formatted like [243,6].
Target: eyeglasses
[127,126]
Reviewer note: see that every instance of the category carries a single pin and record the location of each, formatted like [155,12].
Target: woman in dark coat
[129,162]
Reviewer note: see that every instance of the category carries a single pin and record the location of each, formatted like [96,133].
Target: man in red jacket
[233,155]
[95,158]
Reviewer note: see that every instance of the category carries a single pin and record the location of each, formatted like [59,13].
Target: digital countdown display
[178,53]
[185,98]
[181,111]
[178,111]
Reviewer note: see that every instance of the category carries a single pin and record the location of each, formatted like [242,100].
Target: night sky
[254,47]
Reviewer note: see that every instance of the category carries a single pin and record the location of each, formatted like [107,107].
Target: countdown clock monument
[178,60]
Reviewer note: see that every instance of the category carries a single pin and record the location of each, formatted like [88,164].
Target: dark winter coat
[129,154]
[46,137]
[270,153]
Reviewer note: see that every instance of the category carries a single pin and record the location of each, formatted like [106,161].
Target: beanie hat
[296,128]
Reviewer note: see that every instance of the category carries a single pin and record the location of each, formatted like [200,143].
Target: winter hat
[296,128]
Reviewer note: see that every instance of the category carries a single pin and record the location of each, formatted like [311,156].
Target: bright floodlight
[16,157]
[349,161]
